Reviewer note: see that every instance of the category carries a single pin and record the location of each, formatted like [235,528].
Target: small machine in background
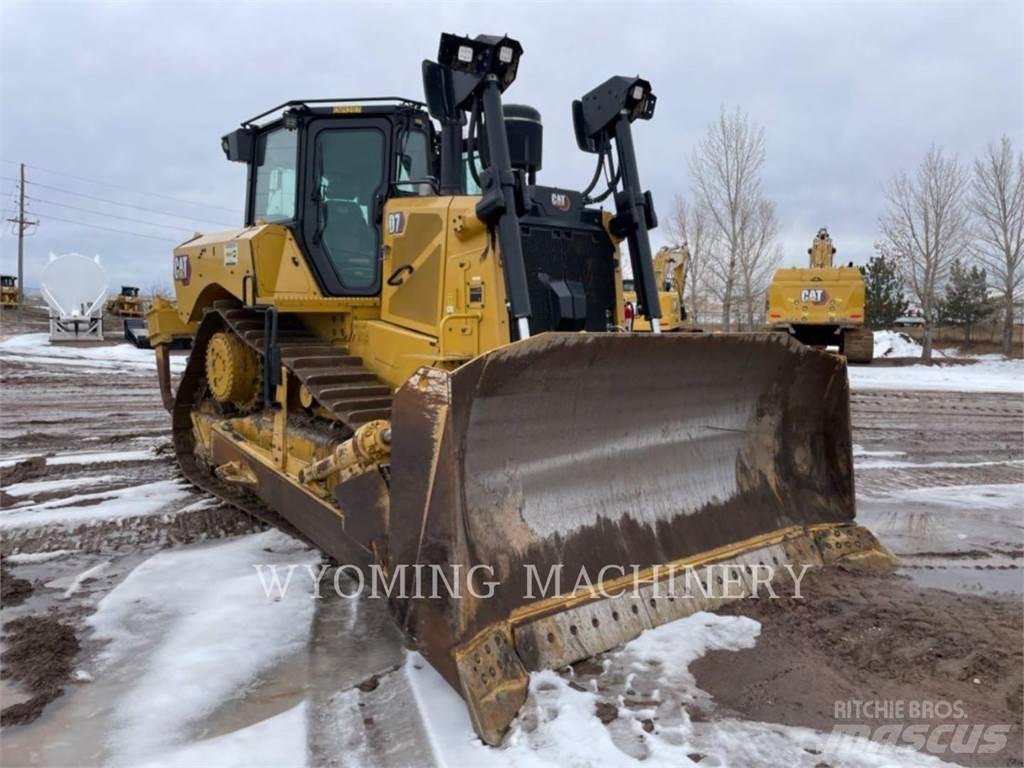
[9,294]
[822,305]
[128,303]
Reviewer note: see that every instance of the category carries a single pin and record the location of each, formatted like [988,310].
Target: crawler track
[349,393]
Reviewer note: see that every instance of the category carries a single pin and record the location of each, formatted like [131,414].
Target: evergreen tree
[884,291]
[966,300]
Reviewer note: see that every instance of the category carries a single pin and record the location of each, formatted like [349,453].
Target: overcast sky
[138,95]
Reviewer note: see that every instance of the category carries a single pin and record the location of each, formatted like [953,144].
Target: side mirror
[437,87]
[583,141]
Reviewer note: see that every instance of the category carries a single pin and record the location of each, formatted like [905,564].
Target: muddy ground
[87,436]
[858,637]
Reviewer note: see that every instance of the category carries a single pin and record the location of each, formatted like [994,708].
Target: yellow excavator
[670,266]
[822,305]
[420,380]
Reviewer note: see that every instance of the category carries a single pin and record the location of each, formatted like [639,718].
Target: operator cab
[325,169]
[326,172]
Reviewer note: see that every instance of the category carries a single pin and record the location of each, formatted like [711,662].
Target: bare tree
[726,170]
[997,201]
[759,257]
[926,225]
[690,224]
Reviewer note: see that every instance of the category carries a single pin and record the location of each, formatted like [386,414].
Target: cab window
[414,164]
[469,183]
[349,174]
[276,158]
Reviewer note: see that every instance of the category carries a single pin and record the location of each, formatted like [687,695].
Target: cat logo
[396,223]
[814,296]
[182,269]
[561,201]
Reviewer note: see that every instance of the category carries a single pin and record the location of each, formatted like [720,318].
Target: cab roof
[370,105]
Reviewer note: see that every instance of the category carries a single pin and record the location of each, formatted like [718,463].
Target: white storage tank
[75,289]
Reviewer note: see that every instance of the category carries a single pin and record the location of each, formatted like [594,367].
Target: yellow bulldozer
[822,305]
[670,266]
[128,303]
[9,294]
[418,379]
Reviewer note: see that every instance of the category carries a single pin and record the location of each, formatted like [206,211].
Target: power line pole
[23,224]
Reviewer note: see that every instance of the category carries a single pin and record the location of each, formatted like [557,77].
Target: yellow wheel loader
[424,382]
[670,266]
[9,294]
[822,305]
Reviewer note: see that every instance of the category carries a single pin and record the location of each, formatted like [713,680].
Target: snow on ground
[278,742]
[895,344]
[36,348]
[1006,497]
[86,457]
[896,464]
[63,484]
[558,726]
[134,501]
[29,558]
[189,630]
[987,375]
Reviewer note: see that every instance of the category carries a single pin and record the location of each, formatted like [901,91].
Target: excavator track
[349,394]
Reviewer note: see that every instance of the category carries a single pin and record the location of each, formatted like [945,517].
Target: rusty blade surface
[594,450]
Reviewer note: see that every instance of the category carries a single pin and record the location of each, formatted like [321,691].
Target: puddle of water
[959,538]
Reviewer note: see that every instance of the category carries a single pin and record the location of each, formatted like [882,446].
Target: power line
[126,188]
[126,205]
[108,215]
[111,229]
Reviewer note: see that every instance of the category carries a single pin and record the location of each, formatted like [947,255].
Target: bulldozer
[670,266]
[128,303]
[822,305]
[420,380]
[9,294]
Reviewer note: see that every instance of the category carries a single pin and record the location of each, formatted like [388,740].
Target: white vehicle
[913,316]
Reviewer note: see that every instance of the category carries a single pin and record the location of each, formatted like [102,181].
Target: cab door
[347,170]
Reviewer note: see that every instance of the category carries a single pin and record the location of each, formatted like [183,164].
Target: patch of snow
[859,450]
[277,742]
[10,461]
[200,505]
[29,558]
[45,486]
[1001,497]
[36,347]
[558,727]
[895,344]
[84,576]
[188,630]
[883,464]
[100,457]
[985,376]
[134,501]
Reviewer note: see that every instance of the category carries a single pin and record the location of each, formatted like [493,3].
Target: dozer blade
[136,332]
[619,456]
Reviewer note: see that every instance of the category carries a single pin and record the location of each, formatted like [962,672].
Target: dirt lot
[90,491]
[859,637]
